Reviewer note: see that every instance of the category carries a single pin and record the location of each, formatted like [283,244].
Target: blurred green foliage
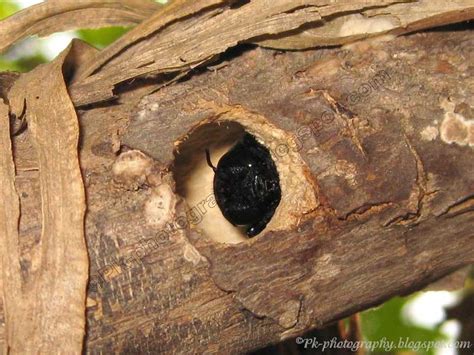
[23,64]
[386,322]
[99,38]
[102,37]
[7,9]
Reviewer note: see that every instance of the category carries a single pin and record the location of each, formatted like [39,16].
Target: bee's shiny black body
[247,185]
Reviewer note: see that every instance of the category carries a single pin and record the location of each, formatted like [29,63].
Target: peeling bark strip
[393,19]
[45,309]
[172,41]
[188,33]
[9,217]
[195,40]
[56,16]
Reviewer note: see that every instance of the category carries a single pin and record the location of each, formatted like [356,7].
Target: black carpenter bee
[247,185]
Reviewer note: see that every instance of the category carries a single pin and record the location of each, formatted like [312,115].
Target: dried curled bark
[56,16]
[171,41]
[50,272]
[373,144]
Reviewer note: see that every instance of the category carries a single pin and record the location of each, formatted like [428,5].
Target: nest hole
[194,178]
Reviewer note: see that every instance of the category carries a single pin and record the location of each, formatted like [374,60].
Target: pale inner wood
[194,178]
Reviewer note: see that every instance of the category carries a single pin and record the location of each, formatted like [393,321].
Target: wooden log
[374,147]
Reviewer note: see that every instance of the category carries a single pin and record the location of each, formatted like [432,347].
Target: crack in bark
[464,205]
[348,117]
[420,189]
[367,209]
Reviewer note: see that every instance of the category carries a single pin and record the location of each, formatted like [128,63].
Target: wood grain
[54,274]
[53,16]
[380,230]
[378,165]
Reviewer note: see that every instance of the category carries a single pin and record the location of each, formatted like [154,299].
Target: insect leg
[259,226]
[209,162]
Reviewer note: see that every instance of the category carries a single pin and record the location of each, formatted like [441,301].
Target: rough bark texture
[392,169]
[383,134]
[53,275]
[172,41]
[374,156]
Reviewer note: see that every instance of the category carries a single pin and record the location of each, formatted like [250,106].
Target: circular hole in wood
[194,178]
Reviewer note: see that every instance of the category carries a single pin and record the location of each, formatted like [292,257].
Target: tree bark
[374,146]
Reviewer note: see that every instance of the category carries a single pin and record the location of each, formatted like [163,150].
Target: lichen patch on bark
[429,133]
[289,318]
[360,24]
[191,254]
[132,167]
[456,129]
[160,206]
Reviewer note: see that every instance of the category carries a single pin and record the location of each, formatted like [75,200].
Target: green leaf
[23,64]
[101,37]
[7,9]
[6,65]
[386,323]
